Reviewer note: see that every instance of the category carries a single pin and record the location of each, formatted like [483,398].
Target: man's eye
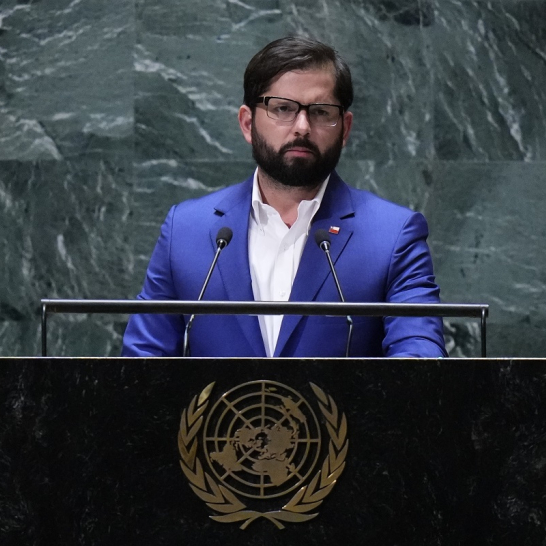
[321,112]
[283,108]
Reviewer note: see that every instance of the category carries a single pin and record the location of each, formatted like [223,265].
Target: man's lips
[299,151]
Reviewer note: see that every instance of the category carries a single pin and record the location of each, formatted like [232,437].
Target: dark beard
[299,172]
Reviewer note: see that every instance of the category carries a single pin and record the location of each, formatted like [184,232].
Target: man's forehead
[325,72]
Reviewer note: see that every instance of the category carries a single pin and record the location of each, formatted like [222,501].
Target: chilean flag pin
[334,230]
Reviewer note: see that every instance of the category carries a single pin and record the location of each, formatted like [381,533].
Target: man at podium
[297,94]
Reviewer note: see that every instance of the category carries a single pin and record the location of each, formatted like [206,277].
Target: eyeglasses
[288,110]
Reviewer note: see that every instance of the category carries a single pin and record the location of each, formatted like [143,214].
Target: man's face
[297,153]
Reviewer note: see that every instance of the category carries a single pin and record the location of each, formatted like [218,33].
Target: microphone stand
[222,240]
[323,240]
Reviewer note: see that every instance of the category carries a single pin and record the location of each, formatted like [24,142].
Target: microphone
[322,238]
[223,238]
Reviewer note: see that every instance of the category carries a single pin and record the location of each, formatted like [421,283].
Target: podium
[445,451]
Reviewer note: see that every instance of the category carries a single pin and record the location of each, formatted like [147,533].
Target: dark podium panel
[440,452]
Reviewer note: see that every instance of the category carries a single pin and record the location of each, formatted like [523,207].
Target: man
[295,115]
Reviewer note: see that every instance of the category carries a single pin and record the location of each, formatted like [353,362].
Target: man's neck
[284,199]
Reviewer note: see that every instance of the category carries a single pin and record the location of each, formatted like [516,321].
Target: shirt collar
[306,207]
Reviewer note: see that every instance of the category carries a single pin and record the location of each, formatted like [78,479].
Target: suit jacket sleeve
[152,334]
[411,280]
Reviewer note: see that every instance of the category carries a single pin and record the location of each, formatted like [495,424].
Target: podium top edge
[264,307]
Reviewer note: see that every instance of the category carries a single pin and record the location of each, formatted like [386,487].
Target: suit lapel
[234,212]
[336,210]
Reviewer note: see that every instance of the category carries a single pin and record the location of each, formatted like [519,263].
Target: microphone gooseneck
[223,238]
[322,238]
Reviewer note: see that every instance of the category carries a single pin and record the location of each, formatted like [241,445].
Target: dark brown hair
[295,53]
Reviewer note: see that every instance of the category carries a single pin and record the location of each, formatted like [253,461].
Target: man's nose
[302,125]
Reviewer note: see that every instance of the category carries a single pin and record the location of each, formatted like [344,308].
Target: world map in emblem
[262,439]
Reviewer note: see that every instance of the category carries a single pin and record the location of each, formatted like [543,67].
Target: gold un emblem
[261,443]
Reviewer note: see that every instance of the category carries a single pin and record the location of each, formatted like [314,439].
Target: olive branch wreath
[222,500]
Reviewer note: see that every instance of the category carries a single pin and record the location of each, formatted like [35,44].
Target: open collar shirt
[274,253]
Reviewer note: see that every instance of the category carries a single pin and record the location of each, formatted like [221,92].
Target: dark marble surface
[448,452]
[110,112]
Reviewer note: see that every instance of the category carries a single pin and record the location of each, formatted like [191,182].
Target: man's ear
[347,124]
[245,122]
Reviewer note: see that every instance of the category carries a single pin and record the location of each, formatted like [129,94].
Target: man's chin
[300,162]
[300,176]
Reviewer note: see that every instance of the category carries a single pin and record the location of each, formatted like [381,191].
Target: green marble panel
[488,231]
[68,79]
[490,81]
[66,229]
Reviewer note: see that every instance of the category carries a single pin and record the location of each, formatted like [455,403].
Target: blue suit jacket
[380,255]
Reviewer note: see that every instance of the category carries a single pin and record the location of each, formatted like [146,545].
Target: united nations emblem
[261,443]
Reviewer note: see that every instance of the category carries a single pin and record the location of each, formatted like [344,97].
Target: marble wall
[112,111]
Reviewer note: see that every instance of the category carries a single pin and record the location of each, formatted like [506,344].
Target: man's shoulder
[370,199]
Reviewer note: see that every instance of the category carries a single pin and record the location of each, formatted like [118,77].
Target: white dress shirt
[274,253]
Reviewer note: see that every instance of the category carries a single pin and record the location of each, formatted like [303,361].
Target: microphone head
[223,237]
[322,238]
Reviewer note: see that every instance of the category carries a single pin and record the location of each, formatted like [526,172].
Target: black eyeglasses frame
[265,101]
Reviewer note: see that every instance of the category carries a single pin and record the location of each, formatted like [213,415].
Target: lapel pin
[334,230]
